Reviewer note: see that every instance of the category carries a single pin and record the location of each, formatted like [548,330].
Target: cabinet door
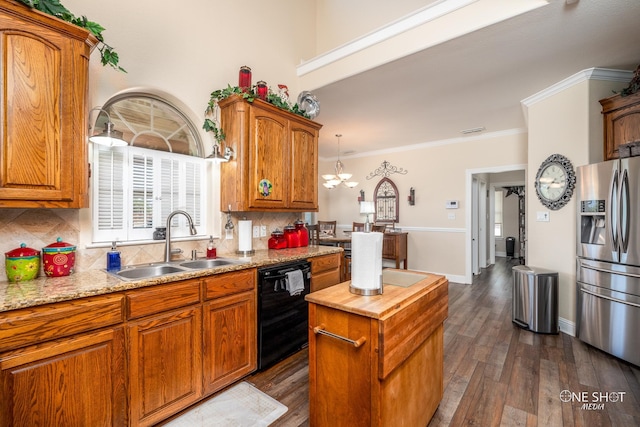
[165,365]
[268,160]
[303,175]
[79,381]
[43,152]
[230,340]
[340,375]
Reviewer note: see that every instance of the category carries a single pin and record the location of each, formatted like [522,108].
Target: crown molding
[420,17]
[606,74]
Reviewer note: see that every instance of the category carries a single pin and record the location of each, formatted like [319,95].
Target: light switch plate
[256,231]
[542,216]
[263,231]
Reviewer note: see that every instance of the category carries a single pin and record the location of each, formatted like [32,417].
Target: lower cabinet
[78,381]
[132,358]
[230,340]
[165,367]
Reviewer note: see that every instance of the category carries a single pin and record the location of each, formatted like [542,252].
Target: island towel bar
[320,330]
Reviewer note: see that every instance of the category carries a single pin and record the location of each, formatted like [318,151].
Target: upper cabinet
[43,154]
[275,161]
[621,122]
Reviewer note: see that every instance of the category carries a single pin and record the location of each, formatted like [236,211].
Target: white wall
[184,51]
[437,172]
[567,122]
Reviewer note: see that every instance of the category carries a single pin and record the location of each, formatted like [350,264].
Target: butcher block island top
[377,360]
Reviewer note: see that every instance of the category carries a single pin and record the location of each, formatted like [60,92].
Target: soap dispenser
[211,249]
[113,258]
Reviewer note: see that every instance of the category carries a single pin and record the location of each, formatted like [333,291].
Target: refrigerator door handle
[624,212]
[608,271]
[613,215]
[609,298]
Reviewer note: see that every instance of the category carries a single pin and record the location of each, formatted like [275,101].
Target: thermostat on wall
[451,204]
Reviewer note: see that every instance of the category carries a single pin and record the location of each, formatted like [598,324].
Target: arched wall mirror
[385,197]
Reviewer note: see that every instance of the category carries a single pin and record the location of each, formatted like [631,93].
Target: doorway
[480,238]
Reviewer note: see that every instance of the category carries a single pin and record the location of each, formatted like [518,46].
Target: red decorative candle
[244,78]
[262,89]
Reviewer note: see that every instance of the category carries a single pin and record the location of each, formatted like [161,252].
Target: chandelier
[340,177]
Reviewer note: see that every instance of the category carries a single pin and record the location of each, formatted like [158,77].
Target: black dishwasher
[283,316]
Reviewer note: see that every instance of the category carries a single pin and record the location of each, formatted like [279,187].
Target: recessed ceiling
[476,80]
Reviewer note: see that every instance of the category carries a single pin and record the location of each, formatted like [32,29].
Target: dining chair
[379,228]
[314,234]
[327,227]
[358,226]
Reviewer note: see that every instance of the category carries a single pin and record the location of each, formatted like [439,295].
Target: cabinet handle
[320,330]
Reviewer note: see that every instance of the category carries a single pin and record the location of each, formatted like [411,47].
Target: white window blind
[499,196]
[138,188]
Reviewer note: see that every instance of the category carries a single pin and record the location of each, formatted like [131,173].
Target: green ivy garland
[55,8]
[211,125]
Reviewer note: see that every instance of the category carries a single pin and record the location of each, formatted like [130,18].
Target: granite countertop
[45,290]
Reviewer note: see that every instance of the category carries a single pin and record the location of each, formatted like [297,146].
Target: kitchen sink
[208,263]
[147,271]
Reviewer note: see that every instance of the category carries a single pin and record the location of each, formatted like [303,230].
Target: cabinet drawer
[161,298]
[229,283]
[27,326]
[324,263]
[325,279]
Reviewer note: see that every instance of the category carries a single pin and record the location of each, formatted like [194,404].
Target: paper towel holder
[367,292]
[244,252]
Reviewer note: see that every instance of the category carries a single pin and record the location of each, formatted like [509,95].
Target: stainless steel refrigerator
[608,264]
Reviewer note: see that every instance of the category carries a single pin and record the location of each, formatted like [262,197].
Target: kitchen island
[377,360]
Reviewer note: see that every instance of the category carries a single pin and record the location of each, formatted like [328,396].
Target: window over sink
[135,188]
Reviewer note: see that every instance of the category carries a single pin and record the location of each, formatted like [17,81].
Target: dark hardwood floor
[496,374]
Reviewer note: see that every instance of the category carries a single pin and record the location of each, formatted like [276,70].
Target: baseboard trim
[566,326]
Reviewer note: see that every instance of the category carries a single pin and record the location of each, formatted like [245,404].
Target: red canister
[277,240]
[303,233]
[59,258]
[291,236]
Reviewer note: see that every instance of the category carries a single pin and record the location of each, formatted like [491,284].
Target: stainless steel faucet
[167,243]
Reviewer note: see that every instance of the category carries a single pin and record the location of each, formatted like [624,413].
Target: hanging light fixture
[340,177]
[109,136]
[218,157]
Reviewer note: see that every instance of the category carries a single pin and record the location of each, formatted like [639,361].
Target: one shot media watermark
[594,400]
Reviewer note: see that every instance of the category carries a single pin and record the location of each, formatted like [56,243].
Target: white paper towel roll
[366,261]
[244,235]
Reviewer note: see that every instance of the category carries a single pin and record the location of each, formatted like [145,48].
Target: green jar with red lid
[22,263]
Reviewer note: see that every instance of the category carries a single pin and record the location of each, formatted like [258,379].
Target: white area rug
[241,405]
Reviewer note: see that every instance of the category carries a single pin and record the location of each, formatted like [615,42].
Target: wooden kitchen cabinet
[43,147]
[621,119]
[275,161]
[230,328]
[165,351]
[55,355]
[377,360]
[325,271]
[394,247]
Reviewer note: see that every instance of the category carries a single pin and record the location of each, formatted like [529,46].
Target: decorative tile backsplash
[38,228]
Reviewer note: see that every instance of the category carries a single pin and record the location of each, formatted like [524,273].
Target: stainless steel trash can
[535,299]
